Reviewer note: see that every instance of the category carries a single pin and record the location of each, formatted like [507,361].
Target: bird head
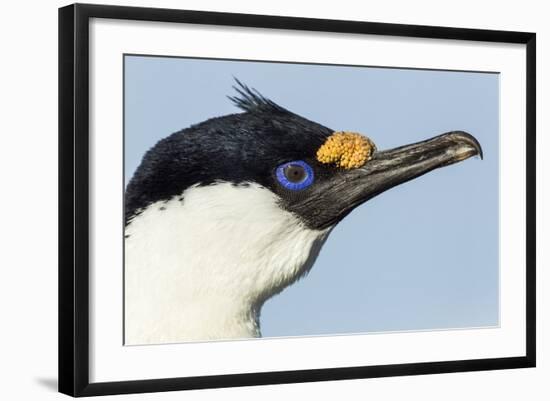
[265,186]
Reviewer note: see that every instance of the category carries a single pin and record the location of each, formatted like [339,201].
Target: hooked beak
[389,168]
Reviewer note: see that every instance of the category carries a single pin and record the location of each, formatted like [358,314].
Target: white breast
[201,265]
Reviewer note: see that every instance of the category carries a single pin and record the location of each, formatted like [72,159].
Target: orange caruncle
[347,150]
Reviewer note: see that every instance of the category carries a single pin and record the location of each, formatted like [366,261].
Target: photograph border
[265,61]
[74,156]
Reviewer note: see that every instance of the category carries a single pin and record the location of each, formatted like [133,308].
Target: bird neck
[184,318]
[175,294]
[200,266]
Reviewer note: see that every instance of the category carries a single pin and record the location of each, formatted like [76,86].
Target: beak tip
[469,139]
[479,152]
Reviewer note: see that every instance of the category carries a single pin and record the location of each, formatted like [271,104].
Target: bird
[225,214]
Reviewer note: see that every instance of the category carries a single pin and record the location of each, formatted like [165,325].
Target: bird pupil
[295,173]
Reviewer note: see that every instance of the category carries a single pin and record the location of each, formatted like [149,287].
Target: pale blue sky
[423,255]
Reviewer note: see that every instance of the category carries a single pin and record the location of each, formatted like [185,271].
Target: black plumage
[236,148]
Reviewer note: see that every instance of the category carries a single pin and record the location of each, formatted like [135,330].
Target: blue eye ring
[295,186]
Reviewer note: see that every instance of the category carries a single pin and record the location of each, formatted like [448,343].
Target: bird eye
[296,175]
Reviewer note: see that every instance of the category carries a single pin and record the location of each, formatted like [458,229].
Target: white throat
[200,266]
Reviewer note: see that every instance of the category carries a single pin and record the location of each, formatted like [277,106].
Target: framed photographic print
[249,199]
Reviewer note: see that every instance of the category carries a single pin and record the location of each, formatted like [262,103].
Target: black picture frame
[74,198]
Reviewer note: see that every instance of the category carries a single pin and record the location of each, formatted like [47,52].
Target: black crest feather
[250,100]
